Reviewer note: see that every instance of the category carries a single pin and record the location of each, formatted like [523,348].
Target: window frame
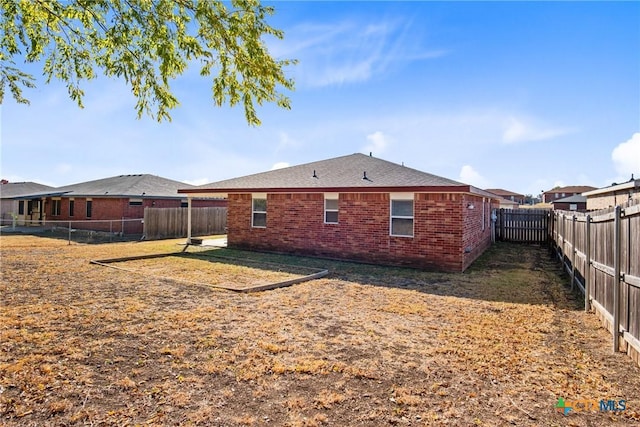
[20,207]
[136,202]
[402,198]
[89,208]
[255,212]
[331,198]
[72,205]
[56,207]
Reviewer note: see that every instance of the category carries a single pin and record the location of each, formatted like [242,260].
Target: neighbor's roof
[139,186]
[576,198]
[357,172]
[572,189]
[503,193]
[505,201]
[631,184]
[14,189]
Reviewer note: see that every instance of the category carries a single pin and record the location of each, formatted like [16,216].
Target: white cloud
[377,143]
[468,175]
[523,129]
[626,157]
[351,51]
[280,165]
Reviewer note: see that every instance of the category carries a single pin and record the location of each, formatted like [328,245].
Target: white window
[573,207]
[259,212]
[135,202]
[331,210]
[402,217]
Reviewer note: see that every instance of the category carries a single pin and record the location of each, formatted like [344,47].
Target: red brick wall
[477,225]
[208,203]
[104,209]
[295,224]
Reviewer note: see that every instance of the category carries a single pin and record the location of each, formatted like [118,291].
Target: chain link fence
[81,231]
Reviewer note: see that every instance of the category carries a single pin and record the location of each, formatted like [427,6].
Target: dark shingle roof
[141,185]
[577,198]
[572,189]
[15,189]
[355,171]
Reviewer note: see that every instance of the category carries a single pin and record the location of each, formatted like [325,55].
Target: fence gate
[164,223]
[522,225]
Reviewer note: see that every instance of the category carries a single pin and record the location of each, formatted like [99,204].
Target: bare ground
[82,344]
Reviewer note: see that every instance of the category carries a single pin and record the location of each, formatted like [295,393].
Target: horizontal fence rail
[522,225]
[601,252]
[165,223]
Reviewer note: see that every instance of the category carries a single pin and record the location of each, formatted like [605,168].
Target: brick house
[562,192]
[519,199]
[357,207]
[615,194]
[111,204]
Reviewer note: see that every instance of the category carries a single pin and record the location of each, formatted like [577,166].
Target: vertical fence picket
[605,256]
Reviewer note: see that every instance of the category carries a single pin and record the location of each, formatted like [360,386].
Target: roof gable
[355,171]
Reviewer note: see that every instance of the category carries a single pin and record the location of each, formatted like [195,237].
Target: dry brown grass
[82,344]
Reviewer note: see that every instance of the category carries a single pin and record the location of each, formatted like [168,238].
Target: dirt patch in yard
[365,346]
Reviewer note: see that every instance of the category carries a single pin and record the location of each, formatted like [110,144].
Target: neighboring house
[519,199]
[11,208]
[613,195]
[111,203]
[357,207]
[577,203]
[562,192]
[507,204]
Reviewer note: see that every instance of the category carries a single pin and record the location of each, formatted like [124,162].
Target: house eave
[612,189]
[224,192]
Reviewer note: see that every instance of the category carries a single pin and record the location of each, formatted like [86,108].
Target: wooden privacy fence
[164,223]
[522,225]
[601,252]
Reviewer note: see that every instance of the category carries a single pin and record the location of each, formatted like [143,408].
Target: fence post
[552,234]
[573,251]
[587,271]
[69,232]
[616,279]
[110,231]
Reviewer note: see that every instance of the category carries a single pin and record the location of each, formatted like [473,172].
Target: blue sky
[515,95]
